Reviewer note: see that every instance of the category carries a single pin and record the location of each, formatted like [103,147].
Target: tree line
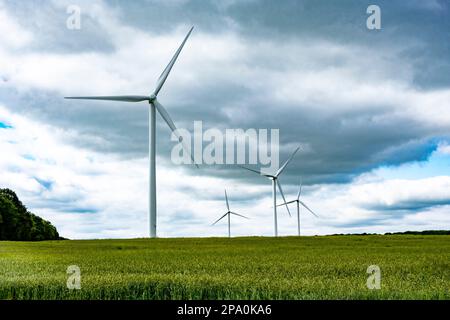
[18,224]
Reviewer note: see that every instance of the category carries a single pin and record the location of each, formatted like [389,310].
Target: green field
[329,267]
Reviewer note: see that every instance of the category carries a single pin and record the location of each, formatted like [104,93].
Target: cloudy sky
[370,108]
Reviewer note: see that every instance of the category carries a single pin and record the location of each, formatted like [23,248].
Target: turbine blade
[256,171]
[220,218]
[286,163]
[226,199]
[162,78]
[113,98]
[283,204]
[165,115]
[240,215]
[299,190]
[308,209]
[284,199]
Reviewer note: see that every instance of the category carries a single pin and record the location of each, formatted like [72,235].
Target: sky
[369,108]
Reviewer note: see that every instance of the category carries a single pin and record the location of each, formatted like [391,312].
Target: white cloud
[401,192]
[13,35]
[444,148]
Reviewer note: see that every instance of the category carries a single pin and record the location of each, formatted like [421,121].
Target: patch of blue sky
[46,184]
[29,157]
[438,164]
[4,125]
[82,210]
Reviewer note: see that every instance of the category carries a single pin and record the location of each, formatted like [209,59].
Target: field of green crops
[331,267]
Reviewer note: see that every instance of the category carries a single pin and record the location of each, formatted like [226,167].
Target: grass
[330,267]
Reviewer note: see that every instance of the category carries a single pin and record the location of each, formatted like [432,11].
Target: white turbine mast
[154,105]
[275,184]
[299,202]
[228,213]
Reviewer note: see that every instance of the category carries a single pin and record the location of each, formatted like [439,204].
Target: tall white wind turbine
[275,184]
[299,202]
[154,105]
[228,213]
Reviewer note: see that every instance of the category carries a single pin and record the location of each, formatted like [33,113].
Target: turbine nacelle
[228,214]
[276,184]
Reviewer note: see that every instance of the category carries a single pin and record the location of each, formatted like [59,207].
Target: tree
[17,223]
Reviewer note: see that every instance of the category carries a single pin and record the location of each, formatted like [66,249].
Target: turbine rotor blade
[162,78]
[240,215]
[308,209]
[220,218]
[282,195]
[299,190]
[283,204]
[226,199]
[255,171]
[165,115]
[286,163]
[113,98]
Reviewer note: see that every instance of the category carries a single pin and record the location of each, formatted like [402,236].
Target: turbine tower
[154,105]
[229,213]
[299,202]
[275,184]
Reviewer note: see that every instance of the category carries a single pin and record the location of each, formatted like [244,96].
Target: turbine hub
[152,98]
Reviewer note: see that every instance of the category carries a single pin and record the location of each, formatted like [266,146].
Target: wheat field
[325,267]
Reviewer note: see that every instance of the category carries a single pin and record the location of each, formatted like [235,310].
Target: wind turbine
[276,183]
[298,202]
[229,213]
[154,105]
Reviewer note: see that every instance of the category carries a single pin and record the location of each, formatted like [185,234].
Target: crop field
[328,267]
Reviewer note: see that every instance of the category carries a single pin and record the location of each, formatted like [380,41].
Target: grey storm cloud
[47,21]
[342,21]
[341,138]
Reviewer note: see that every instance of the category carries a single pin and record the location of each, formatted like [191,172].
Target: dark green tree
[17,223]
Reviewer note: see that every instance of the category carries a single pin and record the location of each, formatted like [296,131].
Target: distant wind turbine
[299,202]
[229,213]
[154,105]
[276,183]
